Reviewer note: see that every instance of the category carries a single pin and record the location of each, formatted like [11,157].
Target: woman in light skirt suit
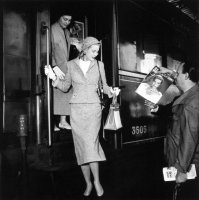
[84,75]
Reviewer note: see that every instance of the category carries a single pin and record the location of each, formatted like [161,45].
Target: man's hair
[192,71]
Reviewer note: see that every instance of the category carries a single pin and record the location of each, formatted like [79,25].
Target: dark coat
[182,140]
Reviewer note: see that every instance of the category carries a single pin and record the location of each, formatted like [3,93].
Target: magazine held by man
[154,85]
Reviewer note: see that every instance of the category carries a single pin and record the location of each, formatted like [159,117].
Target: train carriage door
[24,54]
[16,67]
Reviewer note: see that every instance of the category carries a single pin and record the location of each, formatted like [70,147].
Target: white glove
[115,91]
[59,72]
[49,72]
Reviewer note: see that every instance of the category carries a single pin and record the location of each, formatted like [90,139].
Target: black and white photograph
[99,99]
[154,85]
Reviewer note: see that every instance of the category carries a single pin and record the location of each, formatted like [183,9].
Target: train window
[150,60]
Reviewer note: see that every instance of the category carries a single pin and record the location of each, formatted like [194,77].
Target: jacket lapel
[67,37]
[65,40]
[76,61]
[92,64]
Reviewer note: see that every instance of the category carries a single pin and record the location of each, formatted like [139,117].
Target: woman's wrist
[54,78]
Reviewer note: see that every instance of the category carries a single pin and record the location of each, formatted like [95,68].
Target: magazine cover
[154,85]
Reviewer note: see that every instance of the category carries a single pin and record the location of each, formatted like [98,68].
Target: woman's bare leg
[95,171]
[87,176]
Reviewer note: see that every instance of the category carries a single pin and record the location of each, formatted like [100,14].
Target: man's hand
[153,107]
[165,70]
[181,177]
[59,72]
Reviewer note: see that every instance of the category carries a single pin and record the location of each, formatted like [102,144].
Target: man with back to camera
[181,146]
[61,42]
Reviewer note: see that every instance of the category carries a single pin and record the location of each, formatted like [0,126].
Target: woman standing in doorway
[84,74]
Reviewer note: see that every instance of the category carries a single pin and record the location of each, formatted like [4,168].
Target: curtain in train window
[151,49]
[127,52]
[150,60]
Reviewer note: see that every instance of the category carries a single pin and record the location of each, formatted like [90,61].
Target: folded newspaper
[169,173]
[154,85]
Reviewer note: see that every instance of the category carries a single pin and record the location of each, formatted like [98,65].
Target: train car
[135,37]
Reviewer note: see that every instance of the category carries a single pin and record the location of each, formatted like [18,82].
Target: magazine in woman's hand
[155,84]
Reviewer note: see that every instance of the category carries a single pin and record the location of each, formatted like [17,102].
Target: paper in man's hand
[154,85]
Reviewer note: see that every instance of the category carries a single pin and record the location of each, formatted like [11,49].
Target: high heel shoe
[99,189]
[56,128]
[88,190]
[100,195]
[65,126]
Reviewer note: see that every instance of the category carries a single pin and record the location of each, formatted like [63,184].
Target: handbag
[103,100]
[113,121]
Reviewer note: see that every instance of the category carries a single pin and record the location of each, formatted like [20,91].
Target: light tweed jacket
[84,86]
